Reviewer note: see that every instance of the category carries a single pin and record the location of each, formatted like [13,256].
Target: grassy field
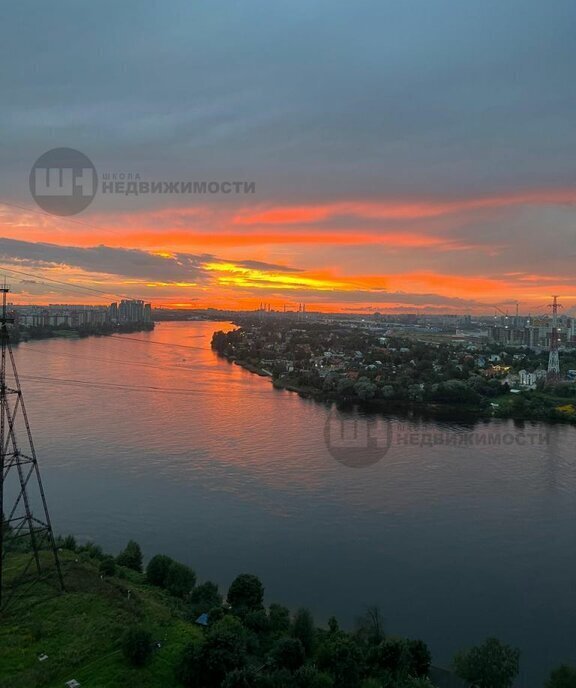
[80,630]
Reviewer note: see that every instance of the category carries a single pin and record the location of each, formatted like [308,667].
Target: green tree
[217,614]
[180,579]
[257,621]
[245,593]
[241,678]
[205,597]
[490,665]
[309,677]
[341,658]
[416,682]
[370,626]
[455,392]
[562,677]
[419,658]
[279,678]
[371,683]
[224,649]
[364,389]
[345,387]
[137,646]
[69,542]
[93,551]
[389,656]
[107,566]
[157,569]
[131,557]
[333,627]
[303,629]
[289,654]
[279,619]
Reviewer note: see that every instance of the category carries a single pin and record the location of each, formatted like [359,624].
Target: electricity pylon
[24,520]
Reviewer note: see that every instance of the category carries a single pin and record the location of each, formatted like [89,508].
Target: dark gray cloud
[134,264]
[365,296]
[260,265]
[128,263]
[311,100]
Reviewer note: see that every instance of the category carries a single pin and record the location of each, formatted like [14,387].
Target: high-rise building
[131,310]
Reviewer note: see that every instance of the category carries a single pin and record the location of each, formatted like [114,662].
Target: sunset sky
[407,156]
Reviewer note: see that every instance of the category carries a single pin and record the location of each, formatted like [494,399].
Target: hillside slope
[80,631]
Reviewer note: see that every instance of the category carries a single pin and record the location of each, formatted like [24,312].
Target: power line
[111,385]
[31,348]
[69,286]
[77,222]
[61,218]
[115,337]
[177,391]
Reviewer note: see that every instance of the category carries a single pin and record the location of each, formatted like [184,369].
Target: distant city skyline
[78,315]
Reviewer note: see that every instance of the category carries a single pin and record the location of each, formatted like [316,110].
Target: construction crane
[504,313]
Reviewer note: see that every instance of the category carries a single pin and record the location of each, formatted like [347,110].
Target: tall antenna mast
[24,517]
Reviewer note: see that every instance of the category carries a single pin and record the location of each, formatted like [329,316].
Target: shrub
[562,677]
[107,566]
[309,677]
[157,569]
[289,654]
[92,550]
[69,542]
[257,621]
[419,658]
[490,665]
[279,618]
[131,557]
[204,598]
[180,579]
[303,629]
[246,593]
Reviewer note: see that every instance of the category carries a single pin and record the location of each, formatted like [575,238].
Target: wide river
[152,437]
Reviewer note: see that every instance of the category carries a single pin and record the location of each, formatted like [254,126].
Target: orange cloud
[395,209]
[273,234]
[134,231]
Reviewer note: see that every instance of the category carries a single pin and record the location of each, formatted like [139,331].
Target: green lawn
[80,630]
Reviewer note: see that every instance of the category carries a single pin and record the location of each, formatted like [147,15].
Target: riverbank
[187,635]
[103,330]
[349,365]
[505,407]
[242,478]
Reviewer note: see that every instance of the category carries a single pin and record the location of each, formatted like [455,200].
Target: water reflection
[456,539]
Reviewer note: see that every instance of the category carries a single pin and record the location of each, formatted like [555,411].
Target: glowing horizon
[287,255]
[411,170]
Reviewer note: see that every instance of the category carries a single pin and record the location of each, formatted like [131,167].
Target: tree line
[248,644]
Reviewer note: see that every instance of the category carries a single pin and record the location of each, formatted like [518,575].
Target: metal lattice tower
[553,357]
[24,519]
